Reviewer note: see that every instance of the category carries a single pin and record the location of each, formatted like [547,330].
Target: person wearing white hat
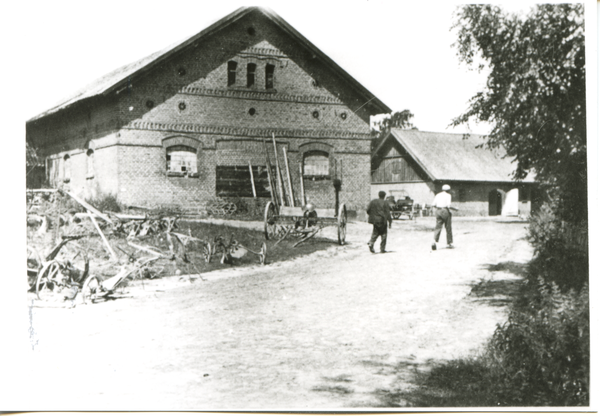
[442,203]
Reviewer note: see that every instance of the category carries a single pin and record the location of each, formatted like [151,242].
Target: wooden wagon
[400,204]
[283,221]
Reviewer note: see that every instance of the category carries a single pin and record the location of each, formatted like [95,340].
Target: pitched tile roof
[120,77]
[455,157]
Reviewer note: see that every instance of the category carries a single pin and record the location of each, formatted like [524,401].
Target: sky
[400,51]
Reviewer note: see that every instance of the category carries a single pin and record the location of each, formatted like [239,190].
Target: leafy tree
[535,93]
[398,119]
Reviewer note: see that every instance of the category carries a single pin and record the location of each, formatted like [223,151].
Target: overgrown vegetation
[539,357]
[535,99]
[105,202]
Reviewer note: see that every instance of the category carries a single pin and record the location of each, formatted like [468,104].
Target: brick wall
[188,97]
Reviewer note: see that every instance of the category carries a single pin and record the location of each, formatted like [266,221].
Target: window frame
[316,176]
[231,73]
[90,171]
[185,149]
[250,75]
[269,76]
[66,168]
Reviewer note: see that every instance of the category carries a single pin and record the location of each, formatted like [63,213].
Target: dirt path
[340,328]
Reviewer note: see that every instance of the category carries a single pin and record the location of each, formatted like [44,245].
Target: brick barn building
[417,164]
[182,126]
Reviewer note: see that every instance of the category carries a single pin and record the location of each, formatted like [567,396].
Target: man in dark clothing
[379,216]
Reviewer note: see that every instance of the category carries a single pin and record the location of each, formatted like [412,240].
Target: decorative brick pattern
[168,106]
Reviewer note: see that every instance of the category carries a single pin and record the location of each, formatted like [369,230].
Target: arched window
[182,160]
[90,164]
[316,164]
[269,76]
[250,75]
[231,72]
[67,168]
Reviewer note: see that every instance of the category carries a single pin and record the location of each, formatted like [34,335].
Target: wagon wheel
[262,256]
[270,221]
[34,265]
[46,278]
[208,252]
[396,215]
[90,289]
[342,221]
[229,208]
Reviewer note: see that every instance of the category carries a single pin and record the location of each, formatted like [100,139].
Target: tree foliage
[397,119]
[535,93]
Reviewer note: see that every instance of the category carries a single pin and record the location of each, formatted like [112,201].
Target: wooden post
[58,205]
[272,190]
[289,176]
[113,255]
[278,172]
[302,199]
[90,208]
[252,179]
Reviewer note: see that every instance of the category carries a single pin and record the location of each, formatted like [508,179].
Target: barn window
[66,168]
[236,181]
[231,72]
[90,164]
[269,76]
[250,75]
[316,165]
[181,161]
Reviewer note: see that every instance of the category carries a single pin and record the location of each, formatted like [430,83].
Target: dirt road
[336,329]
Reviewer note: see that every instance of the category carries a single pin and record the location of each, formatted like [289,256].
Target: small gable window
[181,161]
[231,72]
[269,75]
[316,164]
[250,75]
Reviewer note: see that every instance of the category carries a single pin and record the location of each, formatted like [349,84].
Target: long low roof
[121,77]
[455,157]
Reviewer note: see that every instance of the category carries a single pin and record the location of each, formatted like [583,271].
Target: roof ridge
[115,79]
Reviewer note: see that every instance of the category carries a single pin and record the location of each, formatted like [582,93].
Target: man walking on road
[379,216]
[443,216]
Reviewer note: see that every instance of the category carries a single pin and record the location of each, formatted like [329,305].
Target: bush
[543,349]
[539,357]
[561,251]
[105,202]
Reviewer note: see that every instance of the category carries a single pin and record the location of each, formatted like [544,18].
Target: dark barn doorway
[495,202]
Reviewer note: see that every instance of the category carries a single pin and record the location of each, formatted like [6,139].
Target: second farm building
[417,164]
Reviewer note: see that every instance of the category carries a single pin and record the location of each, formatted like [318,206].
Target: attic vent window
[231,72]
[250,75]
[269,76]
[182,106]
[252,111]
[181,71]
[150,104]
[315,83]
[315,114]
[343,116]
[251,31]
